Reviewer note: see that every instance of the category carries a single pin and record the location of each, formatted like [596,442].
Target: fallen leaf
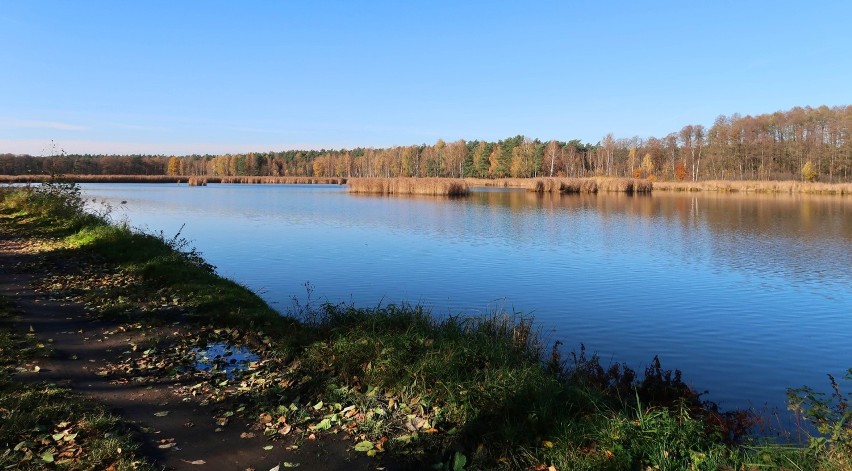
[161,413]
[363,446]
[167,445]
[268,447]
[195,462]
[247,435]
[288,464]
[324,424]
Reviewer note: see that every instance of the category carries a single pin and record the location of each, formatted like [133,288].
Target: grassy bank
[462,393]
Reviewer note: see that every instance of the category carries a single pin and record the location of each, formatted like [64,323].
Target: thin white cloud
[25,123]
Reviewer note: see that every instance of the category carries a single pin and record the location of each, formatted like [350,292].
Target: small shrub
[830,415]
[680,171]
[56,198]
[809,172]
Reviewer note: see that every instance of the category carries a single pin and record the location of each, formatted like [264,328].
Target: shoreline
[539,184]
[398,383]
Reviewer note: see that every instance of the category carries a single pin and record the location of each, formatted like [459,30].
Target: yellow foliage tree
[173,166]
[809,172]
[648,165]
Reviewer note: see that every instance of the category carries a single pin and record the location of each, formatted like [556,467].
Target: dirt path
[177,433]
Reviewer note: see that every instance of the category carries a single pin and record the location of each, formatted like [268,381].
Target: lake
[746,294]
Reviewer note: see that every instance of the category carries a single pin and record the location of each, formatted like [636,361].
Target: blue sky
[180,77]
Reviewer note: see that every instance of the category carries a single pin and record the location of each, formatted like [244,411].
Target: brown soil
[82,344]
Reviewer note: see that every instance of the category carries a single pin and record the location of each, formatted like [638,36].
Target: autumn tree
[173,166]
[809,172]
[454,156]
[553,153]
[647,166]
[496,168]
[608,146]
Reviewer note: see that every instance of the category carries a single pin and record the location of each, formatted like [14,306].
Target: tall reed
[752,186]
[588,185]
[410,186]
[278,180]
[498,182]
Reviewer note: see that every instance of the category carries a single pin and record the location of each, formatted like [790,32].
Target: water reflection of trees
[802,236]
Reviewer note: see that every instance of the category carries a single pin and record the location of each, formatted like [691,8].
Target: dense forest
[774,146]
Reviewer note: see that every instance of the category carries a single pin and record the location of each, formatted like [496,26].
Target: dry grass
[410,186]
[588,185]
[750,186]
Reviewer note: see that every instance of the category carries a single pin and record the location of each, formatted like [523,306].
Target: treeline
[774,146]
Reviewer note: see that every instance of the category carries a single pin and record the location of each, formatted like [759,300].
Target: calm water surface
[747,295]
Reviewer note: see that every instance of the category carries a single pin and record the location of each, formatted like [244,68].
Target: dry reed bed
[279,180]
[751,186]
[588,185]
[410,186]
[497,182]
